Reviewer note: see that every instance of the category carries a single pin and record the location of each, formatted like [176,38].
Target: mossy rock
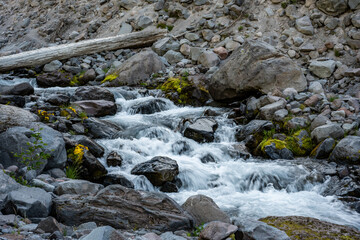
[306,228]
[185,92]
[300,143]
[109,78]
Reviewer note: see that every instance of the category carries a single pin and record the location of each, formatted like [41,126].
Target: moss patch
[305,228]
[299,143]
[109,78]
[278,144]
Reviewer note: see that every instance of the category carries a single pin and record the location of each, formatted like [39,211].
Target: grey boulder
[93,93]
[123,208]
[202,130]
[97,108]
[18,89]
[81,187]
[13,116]
[334,131]
[347,151]
[332,7]
[255,67]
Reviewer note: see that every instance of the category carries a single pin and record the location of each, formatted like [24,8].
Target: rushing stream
[251,188]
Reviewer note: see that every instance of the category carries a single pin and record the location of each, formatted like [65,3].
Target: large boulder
[135,70]
[332,7]
[204,210]
[123,208]
[158,170]
[311,228]
[217,230]
[54,79]
[93,93]
[202,130]
[13,116]
[80,187]
[256,67]
[97,108]
[347,151]
[149,107]
[15,140]
[22,89]
[28,202]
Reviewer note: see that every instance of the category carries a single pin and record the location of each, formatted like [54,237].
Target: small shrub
[284,5]
[240,28]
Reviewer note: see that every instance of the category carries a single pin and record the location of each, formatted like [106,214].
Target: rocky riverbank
[279,80]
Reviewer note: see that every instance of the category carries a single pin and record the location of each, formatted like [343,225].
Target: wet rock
[49,225]
[92,169]
[277,152]
[13,116]
[323,150]
[347,151]
[217,230]
[97,108]
[93,93]
[114,159]
[322,69]
[310,228]
[202,130]
[149,107]
[28,202]
[204,210]
[111,179]
[304,25]
[12,100]
[14,140]
[58,99]
[334,131]
[345,187]
[80,187]
[158,170]
[22,89]
[137,207]
[266,70]
[54,79]
[258,230]
[135,70]
[101,129]
[332,7]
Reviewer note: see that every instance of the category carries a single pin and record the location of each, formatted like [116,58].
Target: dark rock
[345,187]
[158,170]
[18,101]
[57,173]
[254,127]
[114,160]
[207,158]
[28,202]
[202,130]
[58,99]
[13,116]
[307,228]
[323,150]
[136,69]
[89,75]
[275,153]
[266,70]
[14,140]
[169,187]
[92,169]
[181,147]
[22,89]
[93,93]
[57,235]
[138,208]
[204,210]
[80,187]
[332,7]
[97,108]
[101,129]
[96,149]
[49,225]
[149,107]
[54,79]
[111,179]
[217,230]
[347,151]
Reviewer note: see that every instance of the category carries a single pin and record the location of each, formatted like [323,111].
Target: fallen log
[45,55]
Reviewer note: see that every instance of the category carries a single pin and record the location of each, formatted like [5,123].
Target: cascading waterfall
[250,188]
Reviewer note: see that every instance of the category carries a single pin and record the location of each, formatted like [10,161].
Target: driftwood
[65,51]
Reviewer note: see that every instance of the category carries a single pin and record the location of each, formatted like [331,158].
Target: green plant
[196,231]
[34,156]
[332,98]
[269,134]
[240,28]
[284,5]
[76,155]
[72,172]
[337,53]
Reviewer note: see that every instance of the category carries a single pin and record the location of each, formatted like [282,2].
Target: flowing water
[250,188]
